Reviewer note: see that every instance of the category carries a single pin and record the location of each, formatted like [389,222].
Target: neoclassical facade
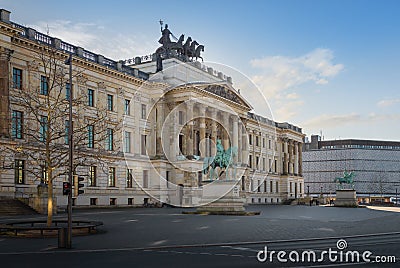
[161,127]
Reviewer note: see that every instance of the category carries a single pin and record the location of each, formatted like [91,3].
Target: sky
[329,67]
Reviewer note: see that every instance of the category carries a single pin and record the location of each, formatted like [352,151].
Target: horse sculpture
[178,46]
[346,179]
[199,49]
[223,159]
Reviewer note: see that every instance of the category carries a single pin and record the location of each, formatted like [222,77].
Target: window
[90,97]
[250,161]
[93,201]
[263,142]
[276,187]
[17,78]
[67,91]
[129,178]
[263,164]
[90,129]
[257,142]
[291,187]
[243,183]
[19,171]
[43,128]
[145,179]
[110,102]
[180,115]
[265,188]
[258,186]
[270,187]
[111,177]
[66,135]
[276,166]
[92,176]
[44,85]
[130,201]
[257,162]
[270,165]
[250,139]
[143,145]
[113,201]
[127,108]
[127,142]
[143,111]
[269,144]
[17,124]
[110,139]
[44,175]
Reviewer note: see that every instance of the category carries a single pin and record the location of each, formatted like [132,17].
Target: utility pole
[71,157]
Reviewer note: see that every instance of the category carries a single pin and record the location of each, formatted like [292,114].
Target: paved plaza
[163,237]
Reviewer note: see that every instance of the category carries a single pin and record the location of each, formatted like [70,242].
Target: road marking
[156,243]
[131,220]
[202,227]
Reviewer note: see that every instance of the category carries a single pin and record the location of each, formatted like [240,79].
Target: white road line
[131,221]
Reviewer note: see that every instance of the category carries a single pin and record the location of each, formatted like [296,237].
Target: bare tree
[45,104]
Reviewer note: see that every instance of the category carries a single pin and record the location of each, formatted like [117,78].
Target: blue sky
[330,66]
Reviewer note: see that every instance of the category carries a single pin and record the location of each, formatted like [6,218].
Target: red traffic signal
[66,188]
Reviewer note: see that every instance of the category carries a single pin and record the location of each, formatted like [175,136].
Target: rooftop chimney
[5,15]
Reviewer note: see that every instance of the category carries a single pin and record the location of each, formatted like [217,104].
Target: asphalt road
[166,238]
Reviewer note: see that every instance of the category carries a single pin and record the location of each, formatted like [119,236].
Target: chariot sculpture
[188,51]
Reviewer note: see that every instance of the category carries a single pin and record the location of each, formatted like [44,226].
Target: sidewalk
[391,209]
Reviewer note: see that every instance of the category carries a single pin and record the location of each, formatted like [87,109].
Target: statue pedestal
[346,198]
[222,197]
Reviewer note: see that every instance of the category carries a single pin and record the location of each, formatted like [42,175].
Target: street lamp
[70,142]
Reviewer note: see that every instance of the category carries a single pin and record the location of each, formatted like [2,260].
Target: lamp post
[70,142]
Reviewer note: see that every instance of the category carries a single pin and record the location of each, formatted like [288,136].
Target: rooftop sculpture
[188,51]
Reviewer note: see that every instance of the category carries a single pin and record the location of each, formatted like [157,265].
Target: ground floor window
[113,201]
[130,201]
[93,201]
[19,171]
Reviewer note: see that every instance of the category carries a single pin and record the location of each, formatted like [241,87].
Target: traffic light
[77,185]
[66,188]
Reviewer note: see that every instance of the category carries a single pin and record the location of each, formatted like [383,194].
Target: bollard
[62,237]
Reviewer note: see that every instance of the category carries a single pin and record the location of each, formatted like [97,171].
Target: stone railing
[42,38]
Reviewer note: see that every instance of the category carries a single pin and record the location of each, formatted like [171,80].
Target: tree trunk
[50,203]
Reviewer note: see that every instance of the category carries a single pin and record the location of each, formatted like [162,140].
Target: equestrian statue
[346,179]
[223,160]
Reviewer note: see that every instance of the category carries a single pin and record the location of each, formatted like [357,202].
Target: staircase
[10,207]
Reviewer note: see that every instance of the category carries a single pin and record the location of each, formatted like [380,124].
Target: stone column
[296,158]
[300,159]
[239,134]
[4,92]
[213,130]
[245,146]
[159,125]
[225,119]
[285,156]
[290,153]
[189,129]
[235,136]
[202,141]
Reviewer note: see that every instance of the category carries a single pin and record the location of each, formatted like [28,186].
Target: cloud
[387,102]
[329,120]
[91,37]
[279,73]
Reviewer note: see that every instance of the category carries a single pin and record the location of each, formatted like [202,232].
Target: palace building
[151,129]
